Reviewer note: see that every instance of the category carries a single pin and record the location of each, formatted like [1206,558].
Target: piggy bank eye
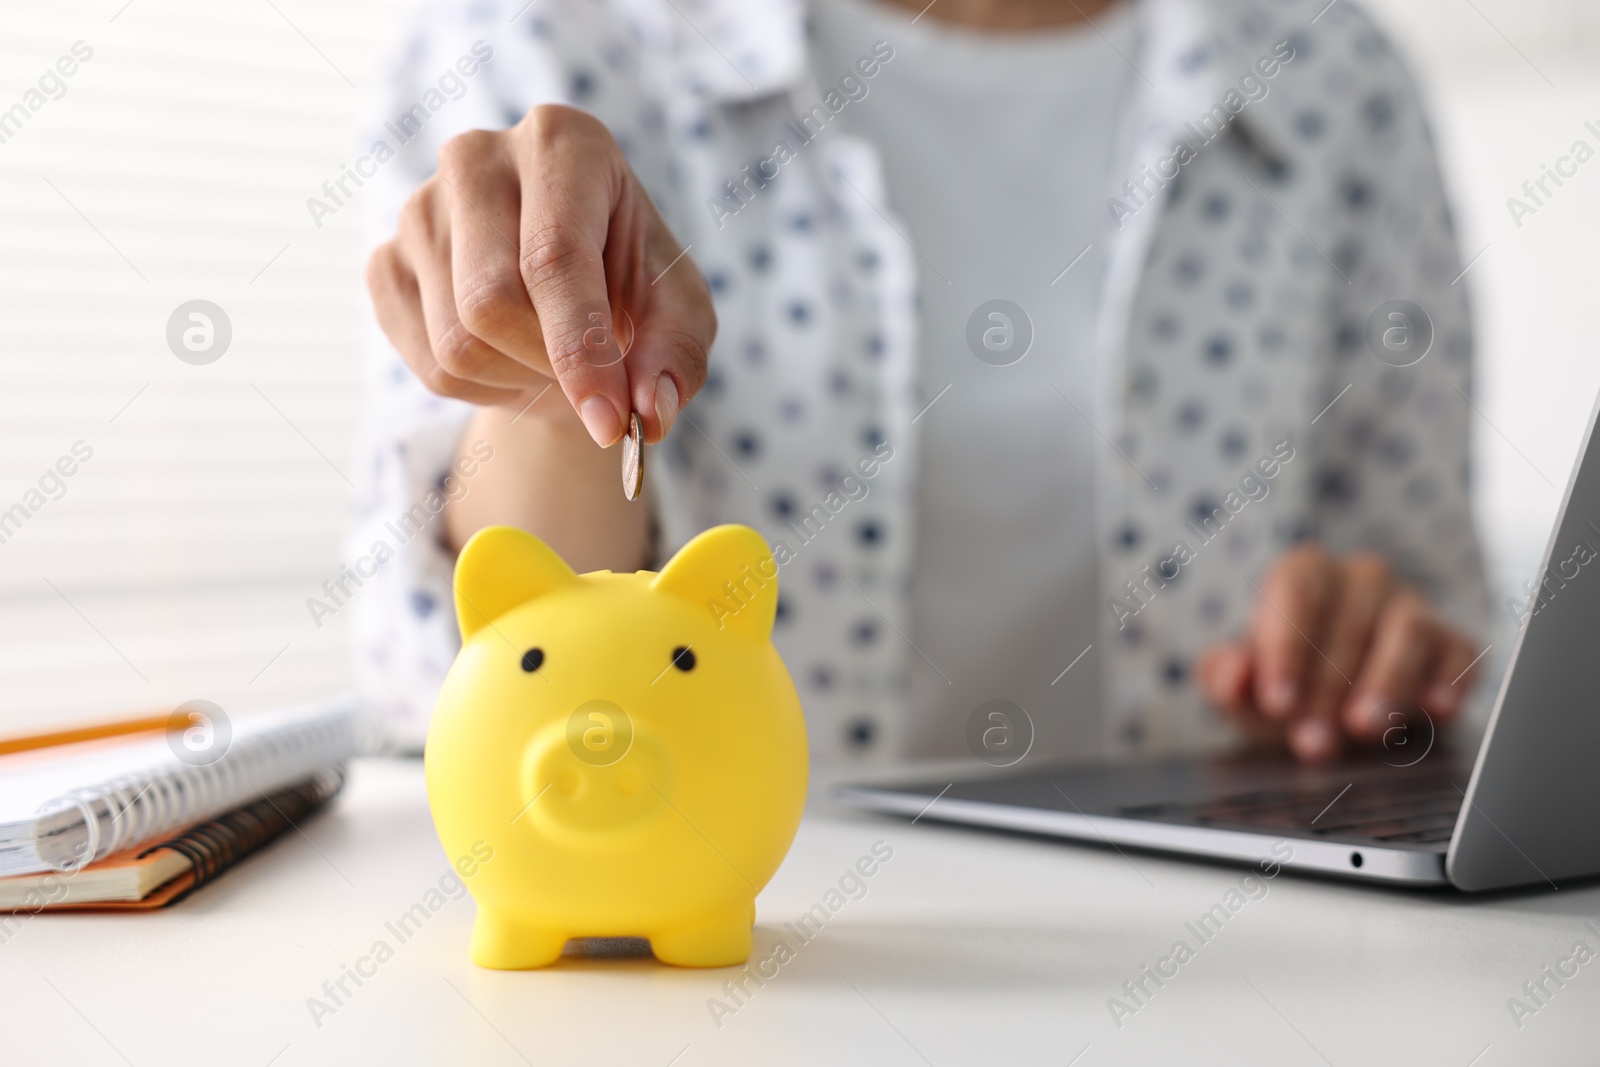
[531,659]
[683,658]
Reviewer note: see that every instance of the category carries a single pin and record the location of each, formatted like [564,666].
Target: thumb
[667,362]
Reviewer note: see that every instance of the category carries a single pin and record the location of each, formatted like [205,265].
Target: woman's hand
[1337,648]
[531,255]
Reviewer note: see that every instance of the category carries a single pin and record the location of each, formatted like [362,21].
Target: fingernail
[1315,739]
[1443,697]
[1281,695]
[1362,716]
[666,403]
[600,419]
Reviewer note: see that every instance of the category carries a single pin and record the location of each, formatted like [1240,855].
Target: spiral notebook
[65,807]
[164,873]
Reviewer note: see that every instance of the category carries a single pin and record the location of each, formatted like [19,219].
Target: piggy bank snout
[602,772]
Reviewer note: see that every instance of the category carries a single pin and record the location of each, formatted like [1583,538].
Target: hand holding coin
[548,224]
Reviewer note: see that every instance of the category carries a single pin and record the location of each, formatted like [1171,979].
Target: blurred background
[176,164]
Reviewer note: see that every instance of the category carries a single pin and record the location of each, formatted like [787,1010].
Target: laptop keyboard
[1424,814]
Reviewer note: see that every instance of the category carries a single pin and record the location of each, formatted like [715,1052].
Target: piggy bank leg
[505,945]
[716,941]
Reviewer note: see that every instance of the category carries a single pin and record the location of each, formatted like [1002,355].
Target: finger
[1225,681]
[667,362]
[425,241]
[1453,676]
[1364,585]
[1225,674]
[1405,648]
[568,199]
[1296,596]
[397,304]
[490,299]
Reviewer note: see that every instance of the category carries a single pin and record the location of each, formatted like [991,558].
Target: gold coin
[633,458]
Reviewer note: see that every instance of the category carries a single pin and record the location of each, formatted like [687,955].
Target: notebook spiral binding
[217,845]
[90,823]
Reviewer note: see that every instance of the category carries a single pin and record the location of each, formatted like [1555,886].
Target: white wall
[182,553]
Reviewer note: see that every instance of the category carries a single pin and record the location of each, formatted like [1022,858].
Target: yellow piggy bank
[630,745]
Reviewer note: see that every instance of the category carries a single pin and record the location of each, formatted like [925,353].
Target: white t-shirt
[997,153]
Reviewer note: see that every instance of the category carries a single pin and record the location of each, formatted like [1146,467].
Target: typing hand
[1336,648]
[531,255]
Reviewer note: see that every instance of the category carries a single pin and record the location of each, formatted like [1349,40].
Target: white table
[967,948]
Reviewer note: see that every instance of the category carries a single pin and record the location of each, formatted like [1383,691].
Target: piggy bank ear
[730,570]
[500,568]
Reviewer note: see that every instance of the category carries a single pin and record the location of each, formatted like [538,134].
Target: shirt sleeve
[403,626]
[1392,447]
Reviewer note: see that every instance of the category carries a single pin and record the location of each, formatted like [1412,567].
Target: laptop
[1522,810]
